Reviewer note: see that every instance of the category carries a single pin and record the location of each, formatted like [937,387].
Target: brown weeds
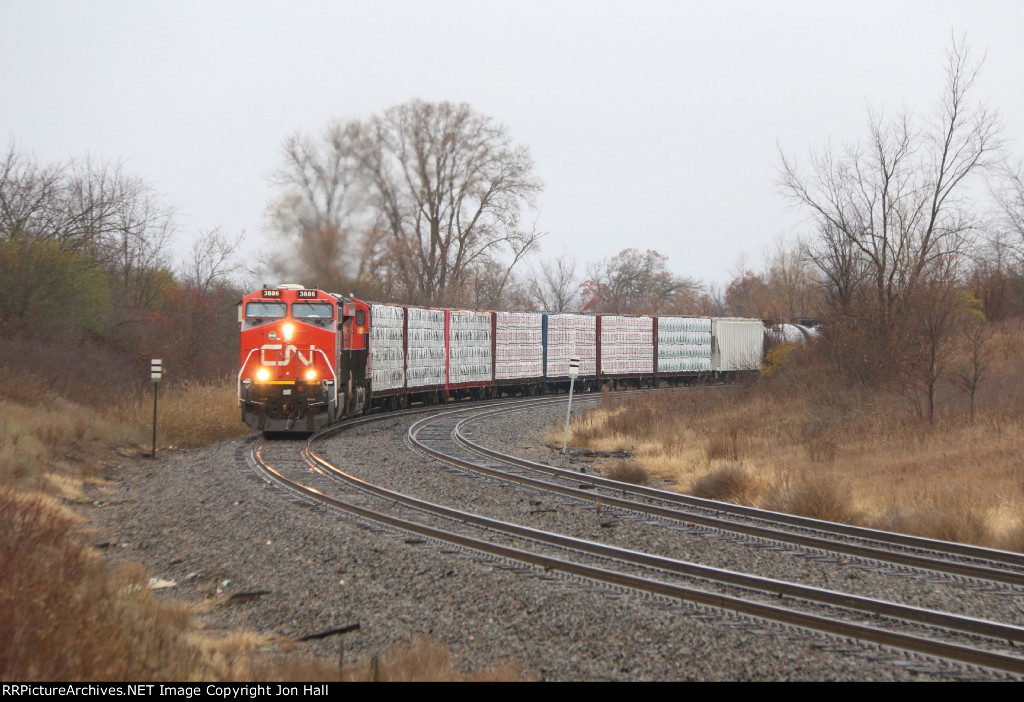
[189,414]
[64,617]
[812,496]
[424,660]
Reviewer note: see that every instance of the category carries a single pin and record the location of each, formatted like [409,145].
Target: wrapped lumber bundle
[469,347]
[684,344]
[425,353]
[519,345]
[387,355]
[571,335]
[627,345]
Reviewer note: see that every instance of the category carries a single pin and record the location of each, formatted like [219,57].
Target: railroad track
[447,437]
[301,470]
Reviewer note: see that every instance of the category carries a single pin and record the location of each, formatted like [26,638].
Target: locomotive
[309,357]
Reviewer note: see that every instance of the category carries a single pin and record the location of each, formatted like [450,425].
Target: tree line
[903,265]
[88,281]
[911,260]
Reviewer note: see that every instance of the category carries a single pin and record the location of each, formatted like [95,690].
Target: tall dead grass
[797,441]
[189,414]
[65,617]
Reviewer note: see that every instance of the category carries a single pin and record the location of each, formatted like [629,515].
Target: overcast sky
[652,124]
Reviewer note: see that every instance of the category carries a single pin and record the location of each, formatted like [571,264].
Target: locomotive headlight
[311,374]
[289,330]
[262,374]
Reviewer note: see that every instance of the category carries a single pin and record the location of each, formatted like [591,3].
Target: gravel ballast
[204,521]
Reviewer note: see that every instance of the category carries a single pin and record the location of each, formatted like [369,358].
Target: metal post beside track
[574,370]
[156,372]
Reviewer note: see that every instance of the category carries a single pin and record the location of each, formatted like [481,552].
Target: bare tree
[793,281]
[555,287]
[632,282]
[317,212]
[81,221]
[195,308]
[1011,202]
[974,336]
[928,349]
[450,185]
[415,203]
[892,209]
[843,269]
[748,295]
[212,261]
[28,193]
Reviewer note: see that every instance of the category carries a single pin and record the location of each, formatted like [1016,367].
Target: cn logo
[290,352]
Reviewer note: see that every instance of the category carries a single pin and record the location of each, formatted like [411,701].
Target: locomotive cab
[288,379]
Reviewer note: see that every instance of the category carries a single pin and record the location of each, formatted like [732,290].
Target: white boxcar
[627,345]
[518,345]
[737,344]
[571,335]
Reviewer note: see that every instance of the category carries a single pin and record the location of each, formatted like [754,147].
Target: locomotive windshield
[312,310]
[266,310]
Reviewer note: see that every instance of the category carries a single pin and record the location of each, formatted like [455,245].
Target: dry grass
[189,414]
[797,442]
[424,660]
[58,602]
[816,496]
[52,447]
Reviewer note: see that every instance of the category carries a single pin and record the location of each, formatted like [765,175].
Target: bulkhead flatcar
[309,358]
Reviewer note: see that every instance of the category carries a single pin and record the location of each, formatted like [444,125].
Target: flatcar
[310,358]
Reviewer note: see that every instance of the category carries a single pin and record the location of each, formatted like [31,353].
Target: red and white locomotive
[303,358]
[309,358]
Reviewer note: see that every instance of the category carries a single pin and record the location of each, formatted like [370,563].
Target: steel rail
[957,652]
[951,547]
[677,499]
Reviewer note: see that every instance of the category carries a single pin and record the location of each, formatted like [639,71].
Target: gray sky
[652,124]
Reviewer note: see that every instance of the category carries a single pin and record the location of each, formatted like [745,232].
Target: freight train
[310,358]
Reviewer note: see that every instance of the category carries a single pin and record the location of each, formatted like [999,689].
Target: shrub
[815,497]
[732,482]
[628,472]
[779,357]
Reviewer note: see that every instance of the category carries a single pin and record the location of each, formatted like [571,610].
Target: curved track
[445,437]
[299,468]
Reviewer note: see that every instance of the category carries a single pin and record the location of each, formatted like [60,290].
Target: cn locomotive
[310,358]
